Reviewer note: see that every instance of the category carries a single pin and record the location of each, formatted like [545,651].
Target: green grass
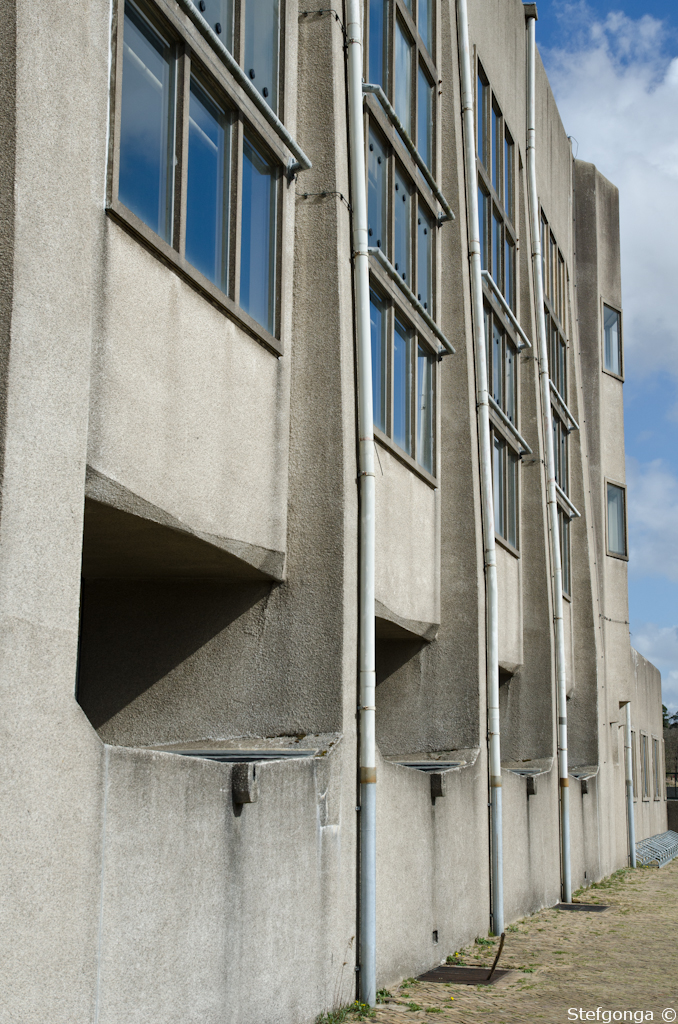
[351,1012]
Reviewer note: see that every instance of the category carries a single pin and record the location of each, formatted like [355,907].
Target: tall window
[496,190]
[502,363]
[656,773]
[616,520]
[555,291]
[403,224]
[496,213]
[644,766]
[634,763]
[185,151]
[403,381]
[612,340]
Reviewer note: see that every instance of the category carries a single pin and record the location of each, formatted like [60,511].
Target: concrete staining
[178,567]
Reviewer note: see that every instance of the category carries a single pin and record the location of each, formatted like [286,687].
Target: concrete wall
[178,556]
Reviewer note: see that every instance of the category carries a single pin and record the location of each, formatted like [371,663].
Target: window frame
[645,766]
[614,554]
[656,768]
[494,316]
[195,55]
[396,309]
[634,764]
[619,312]
[507,219]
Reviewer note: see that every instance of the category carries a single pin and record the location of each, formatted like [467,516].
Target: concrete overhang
[127,537]
[391,626]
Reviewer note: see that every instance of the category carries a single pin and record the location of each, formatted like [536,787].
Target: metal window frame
[397,309]
[615,309]
[196,54]
[608,482]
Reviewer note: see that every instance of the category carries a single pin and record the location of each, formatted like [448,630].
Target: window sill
[612,554]
[506,545]
[171,258]
[616,376]
[387,288]
[406,459]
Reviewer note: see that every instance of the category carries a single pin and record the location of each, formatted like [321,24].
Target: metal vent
[238,756]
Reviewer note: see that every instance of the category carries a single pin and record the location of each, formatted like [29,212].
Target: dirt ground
[623,959]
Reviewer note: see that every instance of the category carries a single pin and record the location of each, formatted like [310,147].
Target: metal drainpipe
[486,493]
[368,768]
[552,503]
[628,761]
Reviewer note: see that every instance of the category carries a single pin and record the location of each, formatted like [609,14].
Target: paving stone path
[623,959]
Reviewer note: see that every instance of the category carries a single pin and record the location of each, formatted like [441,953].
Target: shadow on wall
[135,633]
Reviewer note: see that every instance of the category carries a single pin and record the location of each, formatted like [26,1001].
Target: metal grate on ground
[659,849]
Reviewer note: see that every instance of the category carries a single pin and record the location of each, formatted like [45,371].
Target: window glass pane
[496,149]
[403,228]
[378,327]
[257,247]
[425,261]
[612,340]
[207,191]
[497,366]
[556,450]
[488,335]
[425,22]
[564,475]
[219,15]
[511,382]
[508,176]
[425,369]
[480,120]
[512,499]
[561,290]
[376,192]
[425,118]
[261,47]
[551,269]
[402,388]
[562,368]
[509,271]
[146,125]
[377,42]
[564,524]
[544,255]
[496,248]
[403,79]
[498,486]
[483,202]
[616,532]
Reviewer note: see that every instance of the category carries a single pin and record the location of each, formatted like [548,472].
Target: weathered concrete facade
[179,562]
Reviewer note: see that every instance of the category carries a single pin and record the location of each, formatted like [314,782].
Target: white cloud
[660,646]
[617,92]
[653,514]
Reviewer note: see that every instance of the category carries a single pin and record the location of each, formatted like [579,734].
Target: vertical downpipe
[628,764]
[486,493]
[531,14]
[368,768]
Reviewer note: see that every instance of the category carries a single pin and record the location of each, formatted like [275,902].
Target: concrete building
[179,521]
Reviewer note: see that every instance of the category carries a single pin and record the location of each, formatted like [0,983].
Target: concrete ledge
[391,626]
[127,537]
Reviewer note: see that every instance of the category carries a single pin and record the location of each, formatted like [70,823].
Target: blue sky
[614,71]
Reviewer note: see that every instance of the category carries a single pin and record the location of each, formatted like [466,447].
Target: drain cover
[593,907]
[461,975]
